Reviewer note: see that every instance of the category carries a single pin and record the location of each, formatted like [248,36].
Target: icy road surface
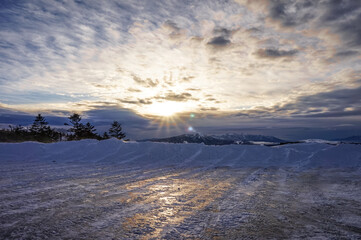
[115,190]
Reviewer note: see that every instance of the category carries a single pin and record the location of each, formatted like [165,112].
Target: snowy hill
[149,154]
[225,139]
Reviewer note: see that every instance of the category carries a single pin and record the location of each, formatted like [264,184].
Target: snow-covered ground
[115,190]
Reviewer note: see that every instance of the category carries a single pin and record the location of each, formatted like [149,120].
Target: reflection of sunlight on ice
[167,212]
[167,200]
[159,187]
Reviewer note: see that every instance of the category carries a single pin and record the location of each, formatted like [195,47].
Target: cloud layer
[226,59]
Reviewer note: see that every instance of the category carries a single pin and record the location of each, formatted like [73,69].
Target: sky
[288,68]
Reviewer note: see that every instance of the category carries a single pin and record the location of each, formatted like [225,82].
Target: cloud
[133,90]
[137,102]
[292,13]
[145,101]
[342,17]
[347,53]
[171,25]
[134,125]
[339,103]
[188,78]
[12,117]
[339,10]
[126,49]
[108,114]
[222,32]
[82,55]
[350,30]
[171,96]
[175,32]
[193,89]
[219,41]
[34,97]
[145,82]
[275,53]
[221,37]
[209,109]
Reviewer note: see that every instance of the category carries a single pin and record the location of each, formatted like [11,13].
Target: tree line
[41,131]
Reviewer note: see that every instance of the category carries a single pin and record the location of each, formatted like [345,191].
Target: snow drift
[149,154]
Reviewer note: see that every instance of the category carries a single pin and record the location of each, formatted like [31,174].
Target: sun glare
[165,109]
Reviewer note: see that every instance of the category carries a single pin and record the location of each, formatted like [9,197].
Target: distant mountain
[191,138]
[248,138]
[332,142]
[353,139]
[217,139]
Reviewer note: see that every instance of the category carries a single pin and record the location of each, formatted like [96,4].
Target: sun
[165,109]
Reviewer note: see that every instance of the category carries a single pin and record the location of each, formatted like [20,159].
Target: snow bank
[149,154]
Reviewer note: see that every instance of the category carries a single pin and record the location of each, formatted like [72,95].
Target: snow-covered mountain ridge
[149,154]
[225,139]
[248,137]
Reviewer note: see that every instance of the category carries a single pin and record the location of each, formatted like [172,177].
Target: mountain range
[226,139]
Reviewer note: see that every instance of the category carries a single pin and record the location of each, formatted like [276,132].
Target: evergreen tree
[116,130]
[105,136]
[89,131]
[38,131]
[41,131]
[39,126]
[79,130]
[76,128]
[17,129]
[17,134]
[75,122]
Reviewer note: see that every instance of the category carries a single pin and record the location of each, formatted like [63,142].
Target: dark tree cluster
[40,131]
[15,134]
[79,130]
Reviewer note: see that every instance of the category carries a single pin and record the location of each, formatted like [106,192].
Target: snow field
[148,154]
[115,190]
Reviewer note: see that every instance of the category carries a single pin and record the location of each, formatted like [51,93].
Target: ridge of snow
[151,154]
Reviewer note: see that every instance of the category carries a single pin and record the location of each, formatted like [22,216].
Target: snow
[144,190]
[320,141]
[248,137]
[149,154]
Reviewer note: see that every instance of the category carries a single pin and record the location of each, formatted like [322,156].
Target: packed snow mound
[150,154]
